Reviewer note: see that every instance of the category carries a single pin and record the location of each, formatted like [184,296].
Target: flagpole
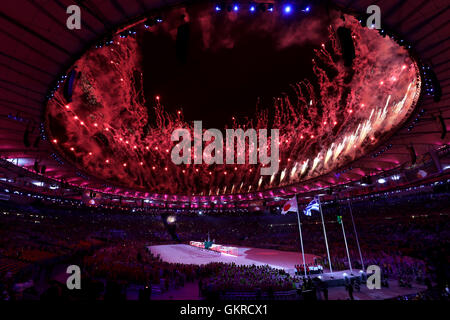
[346,246]
[325,234]
[301,238]
[356,234]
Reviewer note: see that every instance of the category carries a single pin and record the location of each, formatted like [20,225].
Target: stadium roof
[37,48]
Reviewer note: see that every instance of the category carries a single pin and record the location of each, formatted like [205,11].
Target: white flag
[290,205]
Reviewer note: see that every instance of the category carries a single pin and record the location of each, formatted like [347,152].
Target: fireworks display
[325,122]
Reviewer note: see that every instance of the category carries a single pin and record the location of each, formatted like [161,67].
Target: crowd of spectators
[408,237]
[230,277]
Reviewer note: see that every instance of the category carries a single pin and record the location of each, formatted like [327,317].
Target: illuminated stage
[338,278]
[233,251]
[184,253]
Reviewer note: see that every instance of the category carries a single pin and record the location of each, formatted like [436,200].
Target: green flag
[339,219]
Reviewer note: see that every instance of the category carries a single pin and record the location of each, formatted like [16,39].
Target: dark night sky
[217,83]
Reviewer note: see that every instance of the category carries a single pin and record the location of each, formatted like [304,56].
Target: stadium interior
[87,171]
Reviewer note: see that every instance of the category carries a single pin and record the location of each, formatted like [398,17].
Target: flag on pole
[339,219]
[313,205]
[290,205]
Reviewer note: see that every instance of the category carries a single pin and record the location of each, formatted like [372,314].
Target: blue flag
[313,205]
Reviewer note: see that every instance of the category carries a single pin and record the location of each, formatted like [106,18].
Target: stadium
[224,150]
